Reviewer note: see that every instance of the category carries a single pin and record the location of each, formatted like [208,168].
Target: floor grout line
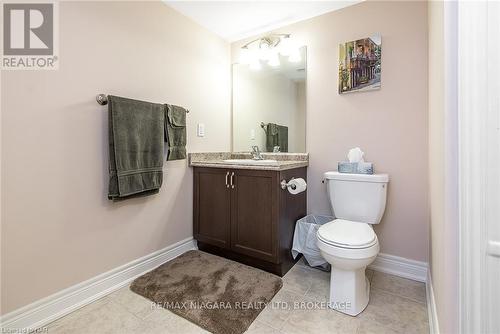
[423,303]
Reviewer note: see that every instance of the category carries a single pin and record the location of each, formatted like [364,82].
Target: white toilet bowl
[349,243]
[349,254]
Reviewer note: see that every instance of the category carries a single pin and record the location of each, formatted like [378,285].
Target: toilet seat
[347,234]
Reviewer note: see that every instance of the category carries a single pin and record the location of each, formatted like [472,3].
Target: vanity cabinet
[244,215]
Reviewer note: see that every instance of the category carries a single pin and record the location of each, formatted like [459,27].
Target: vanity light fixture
[268,49]
[286,46]
[265,52]
[255,65]
[274,60]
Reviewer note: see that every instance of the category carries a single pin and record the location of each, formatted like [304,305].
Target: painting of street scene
[360,64]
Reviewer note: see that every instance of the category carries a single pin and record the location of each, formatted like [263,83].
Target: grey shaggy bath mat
[219,295]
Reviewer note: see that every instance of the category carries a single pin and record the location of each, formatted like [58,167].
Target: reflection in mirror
[269,106]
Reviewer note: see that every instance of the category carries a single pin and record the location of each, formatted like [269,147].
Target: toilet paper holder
[285,184]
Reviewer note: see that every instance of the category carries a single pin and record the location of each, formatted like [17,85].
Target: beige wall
[444,223]
[58,228]
[390,124]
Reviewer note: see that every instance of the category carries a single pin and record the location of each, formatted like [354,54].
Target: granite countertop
[216,160]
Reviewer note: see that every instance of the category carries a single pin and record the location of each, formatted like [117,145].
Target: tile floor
[397,305]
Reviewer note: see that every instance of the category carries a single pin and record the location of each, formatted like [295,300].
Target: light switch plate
[252,134]
[201,130]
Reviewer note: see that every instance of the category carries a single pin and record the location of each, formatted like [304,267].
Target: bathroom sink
[265,162]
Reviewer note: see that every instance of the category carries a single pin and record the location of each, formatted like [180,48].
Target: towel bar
[102,99]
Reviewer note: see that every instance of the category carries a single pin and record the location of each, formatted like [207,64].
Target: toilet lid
[347,234]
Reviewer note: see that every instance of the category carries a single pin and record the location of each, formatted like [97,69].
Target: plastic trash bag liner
[304,239]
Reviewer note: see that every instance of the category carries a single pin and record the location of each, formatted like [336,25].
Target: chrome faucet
[256,153]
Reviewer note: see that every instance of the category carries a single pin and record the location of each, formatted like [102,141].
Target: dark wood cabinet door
[212,206]
[254,213]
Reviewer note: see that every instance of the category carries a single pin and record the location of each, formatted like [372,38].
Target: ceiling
[235,20]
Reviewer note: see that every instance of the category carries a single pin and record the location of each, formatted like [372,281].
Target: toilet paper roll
[296,186]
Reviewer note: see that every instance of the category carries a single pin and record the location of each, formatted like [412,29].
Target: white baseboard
[46,310]
[400,266]
[431,306]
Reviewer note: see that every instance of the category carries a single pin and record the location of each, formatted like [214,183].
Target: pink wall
[390,124]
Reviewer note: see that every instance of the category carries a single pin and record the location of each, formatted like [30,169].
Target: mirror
[269,106]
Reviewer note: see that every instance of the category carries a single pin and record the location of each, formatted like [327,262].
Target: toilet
[348,242]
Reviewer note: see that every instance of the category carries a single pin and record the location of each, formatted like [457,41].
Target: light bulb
[285,46]
[295,56]
[274,61]
[255,65]
[265,52]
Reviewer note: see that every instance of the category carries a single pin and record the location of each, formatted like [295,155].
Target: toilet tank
[357,197]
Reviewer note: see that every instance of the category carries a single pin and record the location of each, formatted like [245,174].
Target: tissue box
[347,167]
[365,168]
[355,167]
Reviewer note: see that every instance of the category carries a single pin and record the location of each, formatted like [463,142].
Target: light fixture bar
[268,49]
[272,40]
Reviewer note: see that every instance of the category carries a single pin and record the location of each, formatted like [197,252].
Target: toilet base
[349,291]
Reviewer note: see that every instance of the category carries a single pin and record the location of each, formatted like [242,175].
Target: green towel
[283,138]
[136,137]
[276,135]
[175,132]
[271,136]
